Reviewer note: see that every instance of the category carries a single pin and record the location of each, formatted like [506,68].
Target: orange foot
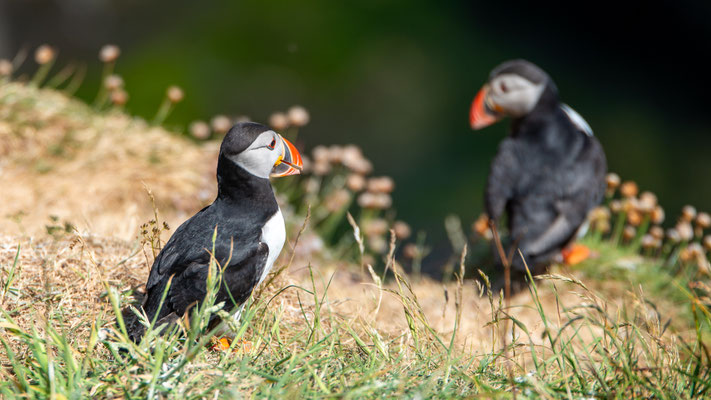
[223,344]
[575,254]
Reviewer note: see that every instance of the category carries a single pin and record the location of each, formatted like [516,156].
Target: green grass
[587,351]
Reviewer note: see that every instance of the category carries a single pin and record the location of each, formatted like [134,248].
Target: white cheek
[258,162]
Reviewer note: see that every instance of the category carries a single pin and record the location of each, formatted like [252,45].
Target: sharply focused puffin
[548,173]
[250,229]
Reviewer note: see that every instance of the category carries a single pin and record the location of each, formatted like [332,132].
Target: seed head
[410,251]
[175,94]
[374,200]
[44,54]
[599,213]
[335,154]
[613,181]
[629,232]
[673,235]
[402,230]
[298,116]
[657,232]
[337,200]
[383,184]
[355,182]
[686,233]
[321,168]
[119,97]
[616,206]
[629,189]
[351,156]
[363,167]
[279,121]
[200,130]
[647,202]
[5,67]
[377,244]
[109,53]
[220,124]
[320,154]
[688,213]
[707,242]
[634,217]
[602,225]
[375,227]
[657,215]
[696,249]
[650,242]
[703,220]
[113,82]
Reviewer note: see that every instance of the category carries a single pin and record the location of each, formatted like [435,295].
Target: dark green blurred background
[397,77]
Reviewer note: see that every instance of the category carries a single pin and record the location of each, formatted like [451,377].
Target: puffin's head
[260,151]
[513,89]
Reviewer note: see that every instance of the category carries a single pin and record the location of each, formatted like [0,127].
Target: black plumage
[547,175]
[243,205]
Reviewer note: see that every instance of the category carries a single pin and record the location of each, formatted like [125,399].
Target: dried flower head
[383,184]
[320,154]
[351,155]
[378,244]
[410,251]
[321,168]
[374,200]
[375,227]
[119,97]
[703,220]
[634,217]
[200,130]
[696,250]
[337,200]
[175,94]
[602,225]
[657,232]
[616,206]
[363,166]
[688,213]
[599,213]
[5,67]
[707,242]
[220,124]
[613,181]
[629,189]
[686,232]
[44,54]
[109,53]
[113,82]
[647,202]
[355,182]
[402,230]
[335,154]
[298,116]
[650,242]
[657,215]
[629,232]
[673,235]
[279,121]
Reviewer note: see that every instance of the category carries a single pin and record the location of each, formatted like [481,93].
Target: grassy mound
[619,325]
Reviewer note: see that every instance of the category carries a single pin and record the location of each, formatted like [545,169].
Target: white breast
[273,235]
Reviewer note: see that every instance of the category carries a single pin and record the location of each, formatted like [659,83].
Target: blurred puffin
[250,229]
[548,173]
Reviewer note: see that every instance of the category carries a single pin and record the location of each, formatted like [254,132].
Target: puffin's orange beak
[289,162]
[483,112]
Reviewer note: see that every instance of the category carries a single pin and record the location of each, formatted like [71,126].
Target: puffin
[249,225]
[548,173]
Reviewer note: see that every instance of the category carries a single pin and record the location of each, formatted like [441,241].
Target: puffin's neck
[242,189]
[540,125]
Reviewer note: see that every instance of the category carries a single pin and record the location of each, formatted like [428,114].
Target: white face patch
[515,95]
[259,158]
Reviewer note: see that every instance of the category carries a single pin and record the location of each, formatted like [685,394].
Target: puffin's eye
[503,87]
[272,144]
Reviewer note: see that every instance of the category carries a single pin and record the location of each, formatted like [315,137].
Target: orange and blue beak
[289,162]
[483,112]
